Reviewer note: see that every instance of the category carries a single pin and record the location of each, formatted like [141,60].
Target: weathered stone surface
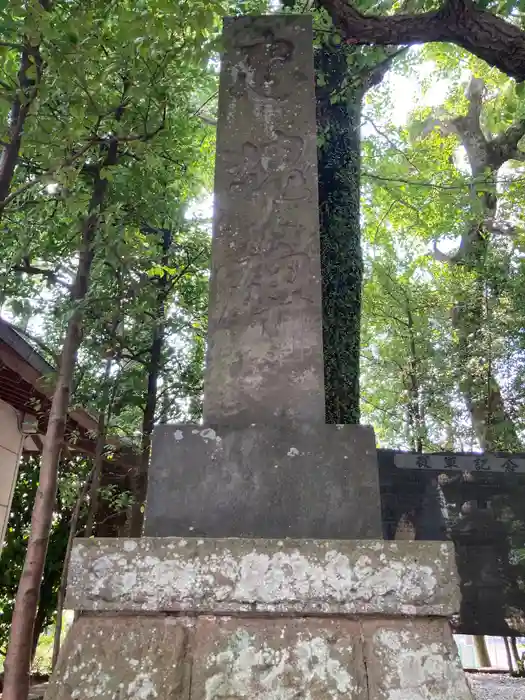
[265,360]
[315,577]
[212,658]
[283,659]
[313,480]
[413,660]
[124,658]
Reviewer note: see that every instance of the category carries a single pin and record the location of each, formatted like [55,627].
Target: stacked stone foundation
[228,619]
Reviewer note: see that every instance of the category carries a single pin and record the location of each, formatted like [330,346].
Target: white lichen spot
[208,434]
[250,667]
[445,550]
[128,582]
[414,670]
[142,688]
[293,452]
[315,661]
[129,545]
[101,566]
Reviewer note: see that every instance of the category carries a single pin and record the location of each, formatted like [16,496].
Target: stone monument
[263,573]
[265,464]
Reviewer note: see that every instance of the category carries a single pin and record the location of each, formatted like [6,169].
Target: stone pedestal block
[286,659]
[237,576]
[227,658]
[264,481]
[121,658]
[182,619]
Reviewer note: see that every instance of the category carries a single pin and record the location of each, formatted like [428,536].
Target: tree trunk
[38,629]
[482,653]
[103,419]
[415,408]
[339,164]
[339,94]
[73,527]
[491,423]
[140,477]
[493,427]
[509,654]
[18,659]
[518,660]
[24,98]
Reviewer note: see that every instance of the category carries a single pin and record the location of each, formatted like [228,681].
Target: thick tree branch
[29,269]
[468,128]
[504,146]
[484,155]
[459,22]
[375,75]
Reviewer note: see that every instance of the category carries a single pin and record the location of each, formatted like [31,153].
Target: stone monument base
[312,480]
[174,619]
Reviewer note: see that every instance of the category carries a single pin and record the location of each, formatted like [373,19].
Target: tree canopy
[442,206]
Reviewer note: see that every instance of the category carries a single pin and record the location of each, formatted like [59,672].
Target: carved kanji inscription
[265,323]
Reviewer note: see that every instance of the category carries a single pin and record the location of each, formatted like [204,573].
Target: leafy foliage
[13,552]
[442,214]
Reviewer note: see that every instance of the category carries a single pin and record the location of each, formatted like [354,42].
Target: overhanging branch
[459,22]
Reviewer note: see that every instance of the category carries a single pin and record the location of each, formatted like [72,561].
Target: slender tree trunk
[509,654]
[103,419]
[25,96]
[415,410]
[140,479]
[516,655]
[339,164]
[18,659]
[38,629]
[73,527]
[482,653]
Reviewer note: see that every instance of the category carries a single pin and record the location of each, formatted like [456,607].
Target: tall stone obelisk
[265,358]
